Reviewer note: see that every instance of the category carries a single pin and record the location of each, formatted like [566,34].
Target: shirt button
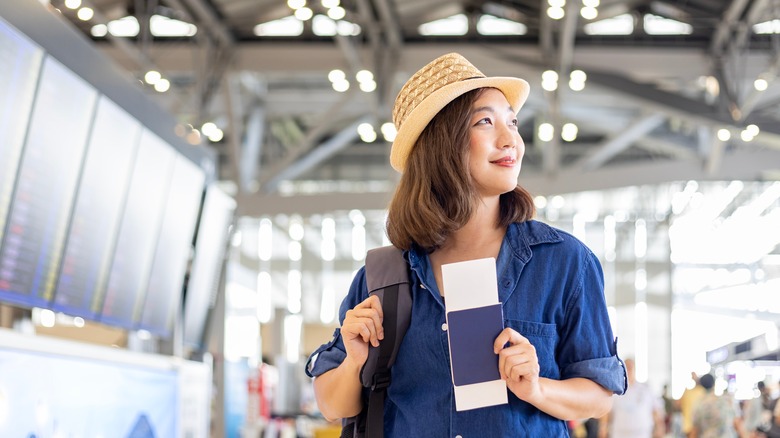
[458,436]
[422,286]
[444,329]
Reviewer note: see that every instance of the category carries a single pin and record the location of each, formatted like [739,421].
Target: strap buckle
[381,380]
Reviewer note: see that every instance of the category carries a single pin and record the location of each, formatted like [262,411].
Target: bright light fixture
[161,26]
[454,25]
[546,132]
[589,13]
[152,76]
[337,13]
[491,25]
[655,25]
[555,13]
[619,25]
[124,27]
[85,14]
[162,85]
[283,27]
[303,14]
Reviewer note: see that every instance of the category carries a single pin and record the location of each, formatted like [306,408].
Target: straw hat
[432,88]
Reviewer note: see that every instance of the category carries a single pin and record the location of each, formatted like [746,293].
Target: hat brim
[514,89]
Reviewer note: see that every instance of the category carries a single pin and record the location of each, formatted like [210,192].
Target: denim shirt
[551,288]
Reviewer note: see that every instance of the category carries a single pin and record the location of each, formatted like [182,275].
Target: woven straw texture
[444,70]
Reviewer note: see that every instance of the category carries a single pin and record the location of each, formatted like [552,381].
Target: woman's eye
[485,121]
[514,122]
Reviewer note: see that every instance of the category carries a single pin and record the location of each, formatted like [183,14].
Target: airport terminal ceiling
[671,90]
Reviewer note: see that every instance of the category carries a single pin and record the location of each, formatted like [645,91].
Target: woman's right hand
[362,324]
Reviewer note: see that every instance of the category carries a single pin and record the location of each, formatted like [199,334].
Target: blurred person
[687,403]
[636,414]
[774,424]
[715,416]
[757,412]
[672,415]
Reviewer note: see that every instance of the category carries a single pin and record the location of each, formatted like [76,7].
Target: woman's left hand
[518,364]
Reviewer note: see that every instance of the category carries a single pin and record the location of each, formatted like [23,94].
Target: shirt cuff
[326,357]
[609,372]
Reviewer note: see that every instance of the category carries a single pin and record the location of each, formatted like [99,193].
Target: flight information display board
[174,247]
[98,208]
[138,232]
[210,247]
[45,187]
[21,61]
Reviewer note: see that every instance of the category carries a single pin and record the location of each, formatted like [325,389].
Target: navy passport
[471,333]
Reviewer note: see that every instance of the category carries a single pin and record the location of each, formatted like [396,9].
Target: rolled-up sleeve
[331,354]
[588,348]
[327,356]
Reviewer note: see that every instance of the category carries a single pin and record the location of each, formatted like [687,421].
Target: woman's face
[495,147]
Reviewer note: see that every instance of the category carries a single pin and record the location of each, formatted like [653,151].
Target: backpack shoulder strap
[387,276]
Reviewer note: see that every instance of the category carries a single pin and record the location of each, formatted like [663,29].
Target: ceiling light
[296,4]
[124,27]
[491,25]
[589,13]
[577,80]
[288,26]
[345,28]
[655,25]
[161,26]
[337,13]
[724,134]
[546,132]
[590,3]
[216,136]
[303,14]
[162,85]
[388,131]
[366,130]
[341,86]
[619,25]
[550,80]
[760,84]
[336,75]
[454,25]
[556,3]
[364,76]
[555,13]
[99,30]
[329,4]
[323,26]
[208,128]
[85,14]
[368,86]
[152,76]
[569,132]
[767,27]
[72,4]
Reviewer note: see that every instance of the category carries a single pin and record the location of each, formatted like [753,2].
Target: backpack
[387,276]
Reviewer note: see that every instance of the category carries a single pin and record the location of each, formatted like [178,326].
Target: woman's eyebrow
[488,108]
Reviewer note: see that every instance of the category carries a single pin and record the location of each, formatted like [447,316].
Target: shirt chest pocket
[544,337]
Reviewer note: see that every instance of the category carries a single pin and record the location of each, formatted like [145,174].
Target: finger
[374,304]
[515,355]
[363,328]
[366,323]
[508,336]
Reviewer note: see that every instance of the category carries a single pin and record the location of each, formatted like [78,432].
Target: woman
[459,153]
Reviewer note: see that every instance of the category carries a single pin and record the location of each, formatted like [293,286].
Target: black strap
[381,380]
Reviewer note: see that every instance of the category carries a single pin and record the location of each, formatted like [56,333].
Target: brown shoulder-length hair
[436,194]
